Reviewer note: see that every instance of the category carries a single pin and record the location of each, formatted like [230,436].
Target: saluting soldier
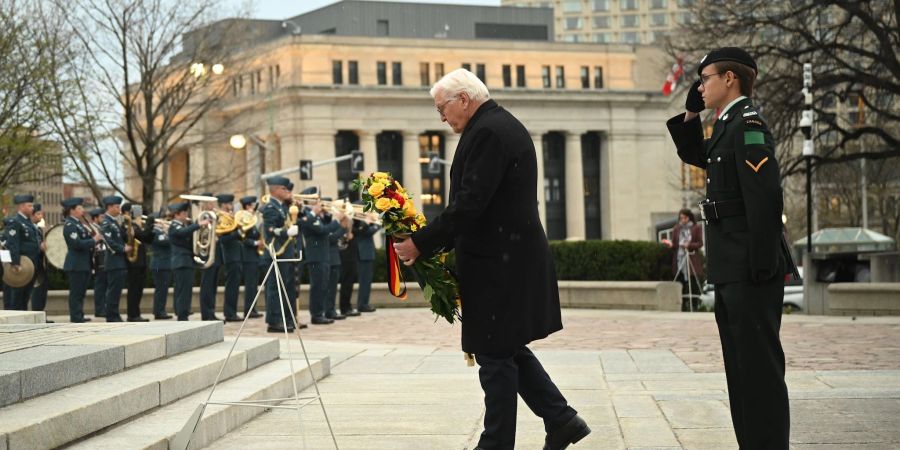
[181,238]
[743,212]
[250,245]
[230,249]
[80,241]
[23,240]
[316,257]
[364,235]
[161,270]
[337,231]
[209,278]
[41,279]
[137,270]
[282,237]
[116,248]
[99,266]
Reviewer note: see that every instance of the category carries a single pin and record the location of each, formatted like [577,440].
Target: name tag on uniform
[5,256]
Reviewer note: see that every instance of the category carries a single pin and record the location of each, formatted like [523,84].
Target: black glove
[694,102]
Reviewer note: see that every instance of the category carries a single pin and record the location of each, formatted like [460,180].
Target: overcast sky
[282,9]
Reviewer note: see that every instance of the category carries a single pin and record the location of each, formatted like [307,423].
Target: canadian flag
[672,78]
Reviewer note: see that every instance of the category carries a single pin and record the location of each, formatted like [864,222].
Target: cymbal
[23,276]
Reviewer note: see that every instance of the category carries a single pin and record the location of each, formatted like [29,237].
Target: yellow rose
[414,227]
[409,210]
[395,204]
[383,204]
[381,175]
[376,189]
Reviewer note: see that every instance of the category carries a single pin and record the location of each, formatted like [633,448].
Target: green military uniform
[743,209]
[181,238]
[77,265]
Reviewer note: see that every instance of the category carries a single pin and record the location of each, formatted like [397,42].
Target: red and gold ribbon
[395,278]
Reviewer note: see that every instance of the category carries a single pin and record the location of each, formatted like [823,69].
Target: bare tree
[134,88]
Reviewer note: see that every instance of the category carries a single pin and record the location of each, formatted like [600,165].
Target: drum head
[56,246]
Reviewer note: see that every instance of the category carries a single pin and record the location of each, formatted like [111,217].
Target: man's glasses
[705,78]
[440,108]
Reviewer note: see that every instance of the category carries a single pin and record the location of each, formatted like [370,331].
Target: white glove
[293,230]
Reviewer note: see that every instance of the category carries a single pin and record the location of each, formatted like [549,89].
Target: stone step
[158,429]
[22,317]
[60,417]
[41,358]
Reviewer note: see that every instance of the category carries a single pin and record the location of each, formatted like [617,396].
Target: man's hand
[694,101]
[203,222]
[97,237]
[44,247]
[293,230]
[407,251]
[127,248]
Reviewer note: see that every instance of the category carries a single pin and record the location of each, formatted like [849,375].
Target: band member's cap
[126,208]
[96,212]
[72,202]
[278,181]
[179,207]
[312,190]
[290,186]
[727,54]
[225,198]
[248,200]
[207,194]
[23,198]
[112,200]
[37,208]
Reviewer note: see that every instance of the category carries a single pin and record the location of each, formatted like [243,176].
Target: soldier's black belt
[719,210]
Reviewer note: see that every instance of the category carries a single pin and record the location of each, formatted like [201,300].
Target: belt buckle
[703,212]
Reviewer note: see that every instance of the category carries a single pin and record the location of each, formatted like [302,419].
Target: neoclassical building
[595,113]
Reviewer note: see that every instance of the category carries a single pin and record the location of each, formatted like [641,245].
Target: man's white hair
[459,81]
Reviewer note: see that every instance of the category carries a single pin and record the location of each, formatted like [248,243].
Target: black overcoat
[505,271]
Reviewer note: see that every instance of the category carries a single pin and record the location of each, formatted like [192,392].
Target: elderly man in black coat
[506,276]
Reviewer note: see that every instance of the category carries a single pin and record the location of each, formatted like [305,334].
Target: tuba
[205,240]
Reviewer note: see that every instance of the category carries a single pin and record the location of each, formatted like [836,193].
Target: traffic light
[434,163]
[356,162]
[306,169]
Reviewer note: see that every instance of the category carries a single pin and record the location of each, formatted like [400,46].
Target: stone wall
[863,299]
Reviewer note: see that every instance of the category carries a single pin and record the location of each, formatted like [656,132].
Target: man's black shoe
[86,319]
[233,319]
[336,316]
[573,431]
[367,308]
[182,319]
[50,321]
[138,319]
[322,321]
[351,313]
[275,329]
[255,315]
[162,316]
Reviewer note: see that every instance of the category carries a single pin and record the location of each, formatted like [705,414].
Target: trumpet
[360,214]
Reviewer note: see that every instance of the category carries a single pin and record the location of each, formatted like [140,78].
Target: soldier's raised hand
[694,101]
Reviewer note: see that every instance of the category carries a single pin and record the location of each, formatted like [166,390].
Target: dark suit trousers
[318,287]
[184,281]
[7,297]
[100,293]
[162,279]
[209,281]
[232,287]
[334,276]
[251,283]
[366,272]
[78,282]
[39,293]
[749,319]
[136,279]
[348,277]
[275,304]
[115,282]
[503,377]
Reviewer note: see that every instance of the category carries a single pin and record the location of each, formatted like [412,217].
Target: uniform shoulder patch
[73,235]
[752,137]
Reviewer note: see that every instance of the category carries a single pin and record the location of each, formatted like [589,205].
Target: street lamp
[239,142]
[218,68]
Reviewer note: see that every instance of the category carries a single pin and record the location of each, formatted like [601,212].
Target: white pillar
[412,168]
[538,138]
[451,140]
[368,148]
[574,187]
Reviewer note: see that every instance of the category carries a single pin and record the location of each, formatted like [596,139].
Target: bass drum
[56,246]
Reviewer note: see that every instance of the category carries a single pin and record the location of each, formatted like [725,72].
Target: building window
[685,18]
[397,73]
[431,143]
[630,37]
[352,72]
[438,71]
[571,6]
[252,84]
[467,66]
[554,152]
[382,73]
[573,23]
[658,20]
[337,72]
[424,75]
[628,5]
[686,3]
[520,76]
[545,75]
[585,77]
[601,22]
[507,75]
[479,72]
[658,4]
[234,87]
[601,5]
[658,36]
[603,38]
[344,142]
[389,152]
[630,21]
[570,38]
[598,77]
[382,28]
[590,162]
[560,77]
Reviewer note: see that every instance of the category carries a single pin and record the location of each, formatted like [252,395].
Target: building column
[368,148]
[412,168]
[451,140]
[538,138]
[574,187]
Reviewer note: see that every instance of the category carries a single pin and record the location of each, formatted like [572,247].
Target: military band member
[349,276]
[743,209]
[209,278]
[250,246]
[41,279]
[230,249]
[181,238]
[23,240]
[364,235]
[337,232]
[116,248]
[278,234]
[161,270]
[80,241]
[99,266]
[137,270]
[316,257]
